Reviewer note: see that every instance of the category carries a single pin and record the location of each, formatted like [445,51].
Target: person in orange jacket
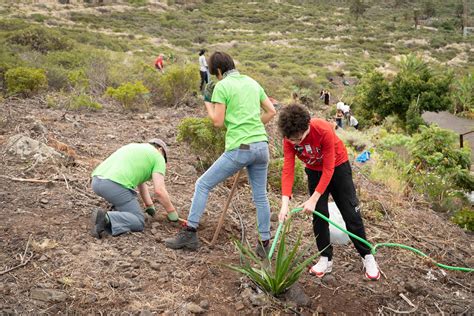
[159,63]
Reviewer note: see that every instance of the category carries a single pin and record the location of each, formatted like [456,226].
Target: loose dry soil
[44,225]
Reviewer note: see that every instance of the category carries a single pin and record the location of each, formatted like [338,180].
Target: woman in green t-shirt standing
[236,103]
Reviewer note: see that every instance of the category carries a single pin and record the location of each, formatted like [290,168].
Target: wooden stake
[227,203]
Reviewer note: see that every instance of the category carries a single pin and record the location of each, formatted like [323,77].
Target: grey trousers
[128,215]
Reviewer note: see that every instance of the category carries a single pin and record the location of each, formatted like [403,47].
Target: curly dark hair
[293,120]
[222,61]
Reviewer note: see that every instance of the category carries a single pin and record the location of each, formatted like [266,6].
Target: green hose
[373,249]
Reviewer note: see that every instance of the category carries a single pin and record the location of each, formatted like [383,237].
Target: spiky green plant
[278,277]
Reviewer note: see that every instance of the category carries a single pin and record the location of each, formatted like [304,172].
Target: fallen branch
[400,312]
[440,310]
[407,300]
[23,259]
[26,180]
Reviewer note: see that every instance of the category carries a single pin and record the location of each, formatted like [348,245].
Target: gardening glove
[173,216]
[150,210]
[208,91]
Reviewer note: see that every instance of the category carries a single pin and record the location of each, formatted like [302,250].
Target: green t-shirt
[242,97]
[132,165]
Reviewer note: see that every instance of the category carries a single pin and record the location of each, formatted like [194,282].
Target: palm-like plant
[278,277]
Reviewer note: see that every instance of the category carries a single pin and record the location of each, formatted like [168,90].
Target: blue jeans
[256,160]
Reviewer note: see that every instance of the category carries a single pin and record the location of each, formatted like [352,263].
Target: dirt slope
[69,271]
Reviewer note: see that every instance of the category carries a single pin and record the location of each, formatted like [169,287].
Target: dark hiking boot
[98,223]
[262,249]
[186,238]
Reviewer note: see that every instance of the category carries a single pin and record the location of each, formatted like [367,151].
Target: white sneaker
[371,268]
[322,267]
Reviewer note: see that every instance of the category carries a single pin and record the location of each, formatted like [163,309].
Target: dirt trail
[70,271]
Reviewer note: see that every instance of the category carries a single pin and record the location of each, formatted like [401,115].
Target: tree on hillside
[415,89]
[357,8]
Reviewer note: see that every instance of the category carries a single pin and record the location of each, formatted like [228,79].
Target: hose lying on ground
[373,248]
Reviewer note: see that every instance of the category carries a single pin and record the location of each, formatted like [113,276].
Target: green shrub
[274,175]
[138,3]
[38,17]
[8,60]
[78,80]
[436,149]
[205,140]
[439,168]
[57,78]
[464,218]
[40,39]
[274,278]
[83,101]
[68,59]
[391,141]
[130,95]
[178,83]
[25,81]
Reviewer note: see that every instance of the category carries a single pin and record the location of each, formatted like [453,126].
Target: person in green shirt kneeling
[116,180]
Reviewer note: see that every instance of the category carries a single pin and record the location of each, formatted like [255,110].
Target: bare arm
[145,195]
[268,111]
[161,193]
[216,112]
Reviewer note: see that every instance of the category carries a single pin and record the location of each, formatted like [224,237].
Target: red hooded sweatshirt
[320,150]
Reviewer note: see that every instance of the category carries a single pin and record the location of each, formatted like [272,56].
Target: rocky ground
[50,264]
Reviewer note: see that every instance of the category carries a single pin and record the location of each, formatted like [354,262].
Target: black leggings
[343,192]
[204,79]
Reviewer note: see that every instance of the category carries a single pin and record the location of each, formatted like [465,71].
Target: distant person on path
[346,110]
[327,166]
[240,104]
[339,116]
[203,69]
[353,122]
[159,63]
[325,95]
[116,180]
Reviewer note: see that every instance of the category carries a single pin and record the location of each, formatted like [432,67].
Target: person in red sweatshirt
[327,166]
[159,63]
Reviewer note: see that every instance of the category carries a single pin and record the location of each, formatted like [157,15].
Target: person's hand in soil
[151,210]
[172,216]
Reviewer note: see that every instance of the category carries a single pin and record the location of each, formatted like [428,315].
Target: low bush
[57,78]
[40,39]
[205,140]
[130,95]
[439,168]
[8,60]
[178,83]
[464,218]
[275,168]
[25,81]
[83,101]
[78,80]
